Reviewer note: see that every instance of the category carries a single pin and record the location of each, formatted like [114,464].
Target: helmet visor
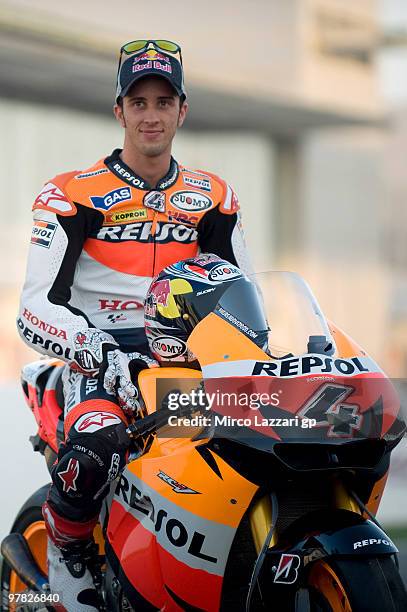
[239,304]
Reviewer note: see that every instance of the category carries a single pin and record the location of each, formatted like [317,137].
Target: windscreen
[301,387]
[276,311]
[241,306]
[296,323]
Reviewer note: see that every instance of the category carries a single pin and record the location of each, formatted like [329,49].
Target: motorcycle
[262,504]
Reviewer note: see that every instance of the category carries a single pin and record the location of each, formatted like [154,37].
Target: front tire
[363,584]
[31,525]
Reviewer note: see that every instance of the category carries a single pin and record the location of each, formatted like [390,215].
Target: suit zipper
[153,231]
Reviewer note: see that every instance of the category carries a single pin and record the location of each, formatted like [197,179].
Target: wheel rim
[36,536]
[324,579]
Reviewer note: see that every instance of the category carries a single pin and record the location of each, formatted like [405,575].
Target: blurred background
[300,104]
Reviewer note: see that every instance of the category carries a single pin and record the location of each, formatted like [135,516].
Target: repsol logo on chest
[47,344]
[176,532]
[197,182]
[135,180]
[310,364]
[141,232]
[110,199]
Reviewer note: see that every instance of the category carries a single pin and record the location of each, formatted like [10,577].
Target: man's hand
[96,353]
[117,378]
[90,348]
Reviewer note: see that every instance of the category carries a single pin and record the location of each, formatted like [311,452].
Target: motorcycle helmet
[185,292]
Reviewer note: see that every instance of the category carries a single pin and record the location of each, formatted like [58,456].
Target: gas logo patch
[110,199]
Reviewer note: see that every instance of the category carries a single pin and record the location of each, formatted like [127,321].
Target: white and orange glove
[98,355]
[117,377]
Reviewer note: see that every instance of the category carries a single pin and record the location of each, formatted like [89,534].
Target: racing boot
[69,575]
[73,561]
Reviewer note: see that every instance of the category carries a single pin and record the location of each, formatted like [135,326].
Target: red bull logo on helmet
[160,292]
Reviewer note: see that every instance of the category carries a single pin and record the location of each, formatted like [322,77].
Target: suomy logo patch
[190,201]
[169,347]
[224,272]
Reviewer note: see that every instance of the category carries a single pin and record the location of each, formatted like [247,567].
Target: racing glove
[90,349]
[97,354]
[117,376]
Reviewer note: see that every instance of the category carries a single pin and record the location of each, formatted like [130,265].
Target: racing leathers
[99,236]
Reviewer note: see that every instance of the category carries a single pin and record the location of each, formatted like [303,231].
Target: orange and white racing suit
[99,236]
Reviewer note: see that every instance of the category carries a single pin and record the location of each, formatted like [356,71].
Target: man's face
[151,114]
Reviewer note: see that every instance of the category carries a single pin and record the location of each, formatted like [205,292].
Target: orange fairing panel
[147,381]
[176,513]
[154,573]
[159,534]
[345,346]
[210,337]
[376,495]
[212,494]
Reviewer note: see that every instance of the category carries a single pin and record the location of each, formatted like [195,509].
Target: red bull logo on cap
[151,55]
[155,64]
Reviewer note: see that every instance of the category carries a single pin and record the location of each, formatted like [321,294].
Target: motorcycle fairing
[308,364]
[298,377]
[210,337]
[158,534]
[314,539]
[341,533]
[40,380]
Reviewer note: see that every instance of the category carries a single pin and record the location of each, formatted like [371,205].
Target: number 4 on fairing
[326,407]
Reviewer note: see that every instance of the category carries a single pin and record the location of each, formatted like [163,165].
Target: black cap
[148,63]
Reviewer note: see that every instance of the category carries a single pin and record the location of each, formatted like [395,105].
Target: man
[99,237]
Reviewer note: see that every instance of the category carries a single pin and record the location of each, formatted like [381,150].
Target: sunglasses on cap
[137,46]
[149,46]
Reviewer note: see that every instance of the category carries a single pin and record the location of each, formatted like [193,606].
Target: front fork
[281,572]
[261,518]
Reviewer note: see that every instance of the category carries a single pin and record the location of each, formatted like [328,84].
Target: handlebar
[148,424]
[153,422]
